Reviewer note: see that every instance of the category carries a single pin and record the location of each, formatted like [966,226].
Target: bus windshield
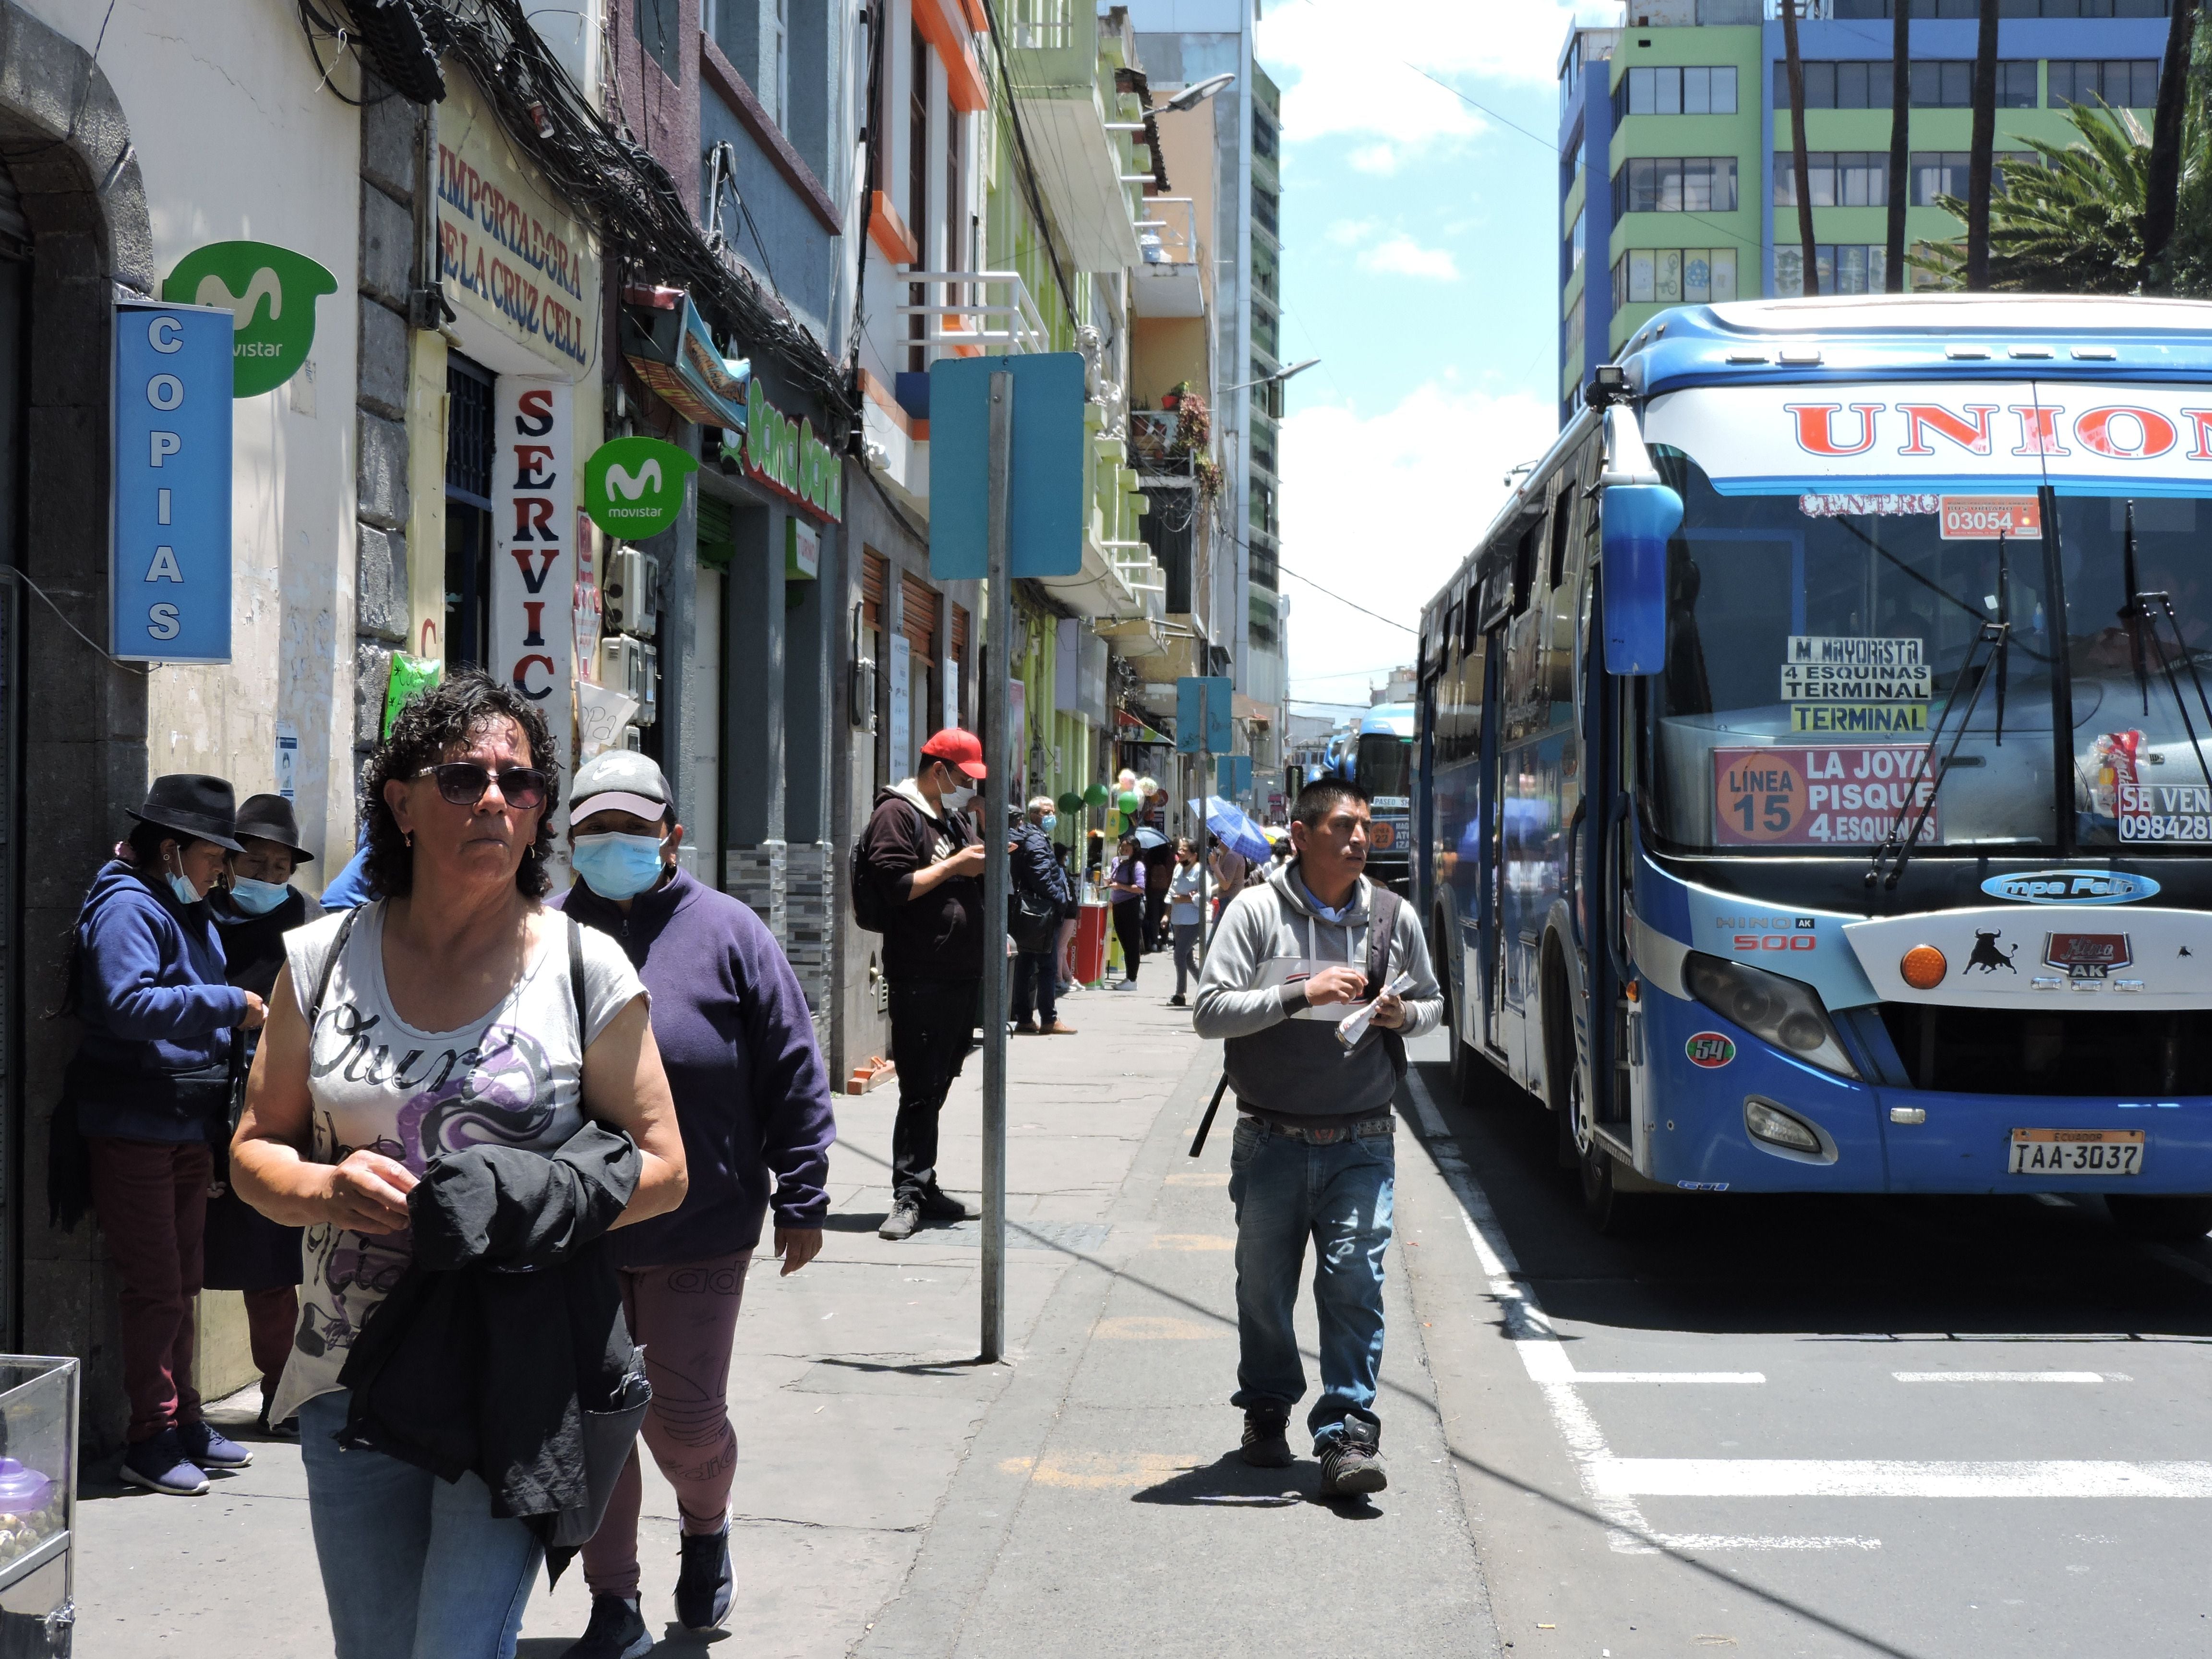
[1385,767]
[1816,636]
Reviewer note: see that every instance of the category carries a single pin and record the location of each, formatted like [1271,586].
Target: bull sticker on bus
[1821,795]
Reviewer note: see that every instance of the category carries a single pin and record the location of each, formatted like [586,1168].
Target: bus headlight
[1786,1012]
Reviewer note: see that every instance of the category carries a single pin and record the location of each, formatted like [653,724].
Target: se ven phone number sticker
[1824,795]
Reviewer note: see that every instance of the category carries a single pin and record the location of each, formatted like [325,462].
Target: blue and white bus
[1377,755]
[1815,759]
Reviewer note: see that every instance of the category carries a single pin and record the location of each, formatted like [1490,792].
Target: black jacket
[505,1340]
[938,935]
[1036,870]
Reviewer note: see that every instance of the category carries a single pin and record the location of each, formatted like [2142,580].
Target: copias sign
[633,486]
[270,293]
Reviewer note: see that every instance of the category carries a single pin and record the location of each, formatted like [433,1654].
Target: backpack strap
[330,967]
[576,981]
[1382,931]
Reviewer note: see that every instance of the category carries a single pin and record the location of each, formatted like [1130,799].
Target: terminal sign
[169,569]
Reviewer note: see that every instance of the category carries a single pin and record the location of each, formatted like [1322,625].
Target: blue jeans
[413,1568]
[1287,1192]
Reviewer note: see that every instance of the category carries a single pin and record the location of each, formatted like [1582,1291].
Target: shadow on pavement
[1231,1483]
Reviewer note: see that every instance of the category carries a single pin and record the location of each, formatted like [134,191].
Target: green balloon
[1071,802]
[1094,795]
[1128,803]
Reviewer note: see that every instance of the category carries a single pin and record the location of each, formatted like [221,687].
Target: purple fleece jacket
[752,1099]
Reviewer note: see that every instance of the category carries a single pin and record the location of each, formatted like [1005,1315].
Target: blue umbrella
[1238,832]
[1148,837]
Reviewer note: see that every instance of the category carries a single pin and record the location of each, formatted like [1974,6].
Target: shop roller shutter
[919,621]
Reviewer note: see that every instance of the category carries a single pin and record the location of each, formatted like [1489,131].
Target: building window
[1863,83]
[1575,242]
[2123,83]
[1668,90]
[1687,184]
[1844,268]
[1575,323]
[1965,10]
[658,31]
[1674,276]
[1849,178]
[1943,173]
[1950,84]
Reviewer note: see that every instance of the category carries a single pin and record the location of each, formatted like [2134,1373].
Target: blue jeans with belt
[1288,1190]
[413,1568]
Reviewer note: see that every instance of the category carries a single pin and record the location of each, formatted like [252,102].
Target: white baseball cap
[618,781]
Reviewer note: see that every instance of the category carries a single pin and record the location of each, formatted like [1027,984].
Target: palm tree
[1801,169]
[1981,147]
[2076,224]
[1900,152]
[2162,182]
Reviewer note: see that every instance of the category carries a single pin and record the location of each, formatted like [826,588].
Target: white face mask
[956,801]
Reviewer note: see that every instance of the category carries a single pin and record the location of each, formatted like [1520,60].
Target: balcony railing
[1168,233]
[975,314]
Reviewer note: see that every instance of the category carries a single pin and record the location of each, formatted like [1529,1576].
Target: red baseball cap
[957,747]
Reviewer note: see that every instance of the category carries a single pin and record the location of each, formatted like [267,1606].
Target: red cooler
[1091,930]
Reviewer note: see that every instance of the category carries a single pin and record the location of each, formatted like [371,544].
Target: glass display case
[38,1504]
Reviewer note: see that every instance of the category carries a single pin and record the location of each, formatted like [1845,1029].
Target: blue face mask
[258,898]
[1049,822]
[618,866]
[181,885]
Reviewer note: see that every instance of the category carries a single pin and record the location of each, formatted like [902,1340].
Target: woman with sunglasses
[448,1019]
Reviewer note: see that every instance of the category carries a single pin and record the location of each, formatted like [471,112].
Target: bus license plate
[2077,1151]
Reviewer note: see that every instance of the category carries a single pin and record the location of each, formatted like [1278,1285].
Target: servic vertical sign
[533,576]
[169,557]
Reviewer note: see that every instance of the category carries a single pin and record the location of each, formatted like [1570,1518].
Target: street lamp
[1188,98]
[1272,399]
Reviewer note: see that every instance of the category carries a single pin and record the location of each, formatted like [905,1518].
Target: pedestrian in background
[752,1103]
[148,1091]
[922,859]
[456,1016]
[1036,873]
[1159,863]
[1127,884]
[1313,1159]
[245,1251]
[1230,870]
[1187,898]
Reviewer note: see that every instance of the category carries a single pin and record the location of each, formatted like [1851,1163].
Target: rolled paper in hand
[1353,1025]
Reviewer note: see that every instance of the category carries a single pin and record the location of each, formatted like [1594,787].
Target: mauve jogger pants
[686,1317]
[151,1197]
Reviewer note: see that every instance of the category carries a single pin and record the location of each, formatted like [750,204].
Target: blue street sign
[1203,713]
[1050,504]
[1233,775]
[169,555]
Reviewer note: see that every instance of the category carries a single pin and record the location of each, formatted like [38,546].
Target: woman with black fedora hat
[255,908]
[152,1076]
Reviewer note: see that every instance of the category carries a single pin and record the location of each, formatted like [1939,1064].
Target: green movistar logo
[270,293]
[633,486]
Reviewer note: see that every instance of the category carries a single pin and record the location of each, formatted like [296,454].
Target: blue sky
[1419,264]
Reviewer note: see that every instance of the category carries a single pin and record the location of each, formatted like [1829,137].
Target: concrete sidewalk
[895,1498]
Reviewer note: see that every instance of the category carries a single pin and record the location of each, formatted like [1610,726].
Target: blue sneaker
[210,1448]
[704,1583]
[160,1465]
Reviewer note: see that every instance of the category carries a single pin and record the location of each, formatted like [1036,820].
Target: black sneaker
[1267,1442]
[1351,1468]
[938,1205]
[905,1217]
[617,1631]
[1176,1001]
[703,1585]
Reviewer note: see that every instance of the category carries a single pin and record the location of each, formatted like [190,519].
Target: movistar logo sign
[270,293]
[633,486]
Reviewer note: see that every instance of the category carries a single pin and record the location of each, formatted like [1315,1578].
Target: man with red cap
[923,855]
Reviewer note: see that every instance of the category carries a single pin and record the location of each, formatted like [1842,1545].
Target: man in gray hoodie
[1313,1159]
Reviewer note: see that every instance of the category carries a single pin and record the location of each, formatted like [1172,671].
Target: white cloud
[1350,232]
[1374,158]
[1402,256]
[1364,514]
[1355,66]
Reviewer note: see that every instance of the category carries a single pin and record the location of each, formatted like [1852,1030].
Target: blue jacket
[152,1000]
[1036,868]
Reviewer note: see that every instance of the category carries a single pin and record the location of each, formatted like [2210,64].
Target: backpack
[1382,931]
[867,900]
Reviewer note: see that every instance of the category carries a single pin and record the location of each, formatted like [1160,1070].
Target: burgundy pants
[686,1317]
[271,1315]
[151,1198]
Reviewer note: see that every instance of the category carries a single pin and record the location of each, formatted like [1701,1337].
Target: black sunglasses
[464,783]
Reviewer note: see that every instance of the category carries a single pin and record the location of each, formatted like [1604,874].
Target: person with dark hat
[151,1081]
[245,1251]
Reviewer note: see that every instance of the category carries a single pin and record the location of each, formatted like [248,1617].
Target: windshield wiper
[2141,613]
[1889,860]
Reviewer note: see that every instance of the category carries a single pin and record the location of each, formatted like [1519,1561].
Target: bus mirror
[1638,520]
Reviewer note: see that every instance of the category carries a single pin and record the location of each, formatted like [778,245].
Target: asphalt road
[1808,1425]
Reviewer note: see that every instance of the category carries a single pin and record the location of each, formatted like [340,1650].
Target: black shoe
[287,1429]
[1176,1001]
[1267,1442]
[905,1217]
[617,1631]
[1351,1468]
[703,1586]
[938,1205]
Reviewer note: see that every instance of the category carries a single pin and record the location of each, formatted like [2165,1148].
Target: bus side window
[1574,524]
[1528,695]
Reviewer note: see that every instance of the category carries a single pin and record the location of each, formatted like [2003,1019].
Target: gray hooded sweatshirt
[1282,1056]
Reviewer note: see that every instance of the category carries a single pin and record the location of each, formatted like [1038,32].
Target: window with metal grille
[469,443]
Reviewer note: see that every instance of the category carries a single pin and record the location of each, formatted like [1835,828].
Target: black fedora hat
[193,803]
[269,817]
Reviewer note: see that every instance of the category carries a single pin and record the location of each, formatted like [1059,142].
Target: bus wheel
[1610,1213]
[2166,1217]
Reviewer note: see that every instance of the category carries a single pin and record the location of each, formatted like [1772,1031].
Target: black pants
[932,1026]
[1128,927]
[1036,989]
[1156,917]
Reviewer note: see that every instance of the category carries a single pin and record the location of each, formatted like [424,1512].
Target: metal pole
[997,747]
[1205,849]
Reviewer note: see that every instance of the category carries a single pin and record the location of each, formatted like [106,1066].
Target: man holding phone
[1313,1157]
